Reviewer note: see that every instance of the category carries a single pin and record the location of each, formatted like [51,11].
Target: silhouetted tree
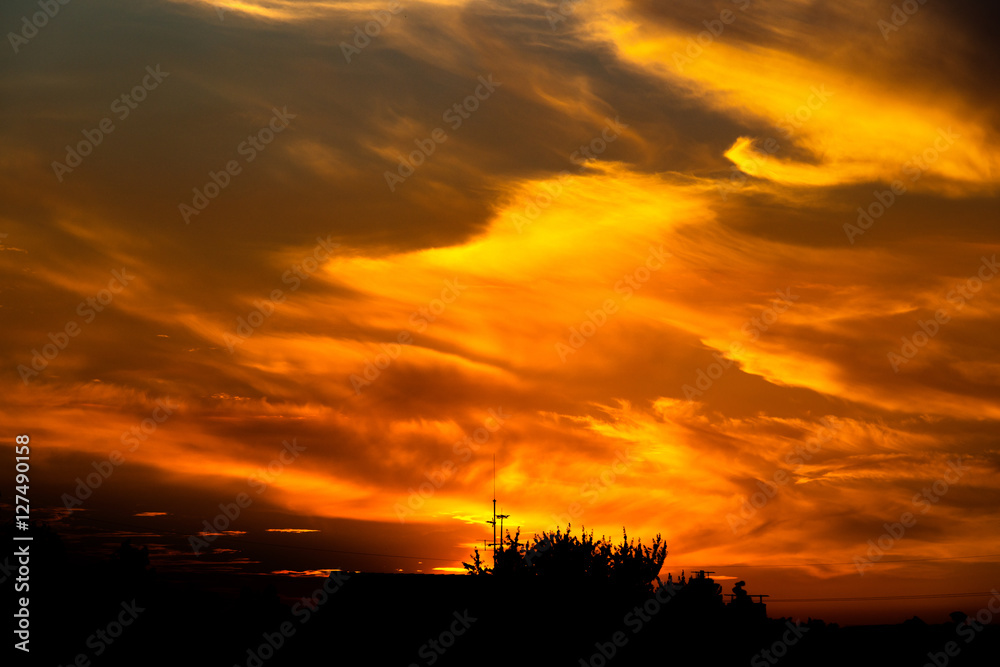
[565,557]
[476,566]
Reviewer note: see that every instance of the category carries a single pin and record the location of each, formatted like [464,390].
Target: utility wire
[266,544]
[878,562]
[880,598]
[928,596]
[365,553]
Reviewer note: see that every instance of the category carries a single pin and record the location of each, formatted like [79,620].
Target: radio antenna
[496,516]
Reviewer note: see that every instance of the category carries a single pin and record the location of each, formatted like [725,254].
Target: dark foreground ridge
[563,600]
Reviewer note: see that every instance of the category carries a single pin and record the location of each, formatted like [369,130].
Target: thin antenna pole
[494,511]
[494,521]
[496,516]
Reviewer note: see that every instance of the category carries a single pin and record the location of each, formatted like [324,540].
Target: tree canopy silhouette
[565,557]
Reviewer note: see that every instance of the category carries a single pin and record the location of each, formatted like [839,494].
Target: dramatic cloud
[719,270]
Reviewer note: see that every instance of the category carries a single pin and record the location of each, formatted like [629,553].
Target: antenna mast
[494,521]
[496,516]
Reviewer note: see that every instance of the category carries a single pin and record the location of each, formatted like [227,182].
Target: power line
[928,596]
[698,566]
[268,544]
[878,562]
[879,598]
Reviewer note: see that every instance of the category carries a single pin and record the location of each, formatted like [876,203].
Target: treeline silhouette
[576,561]
[559,599]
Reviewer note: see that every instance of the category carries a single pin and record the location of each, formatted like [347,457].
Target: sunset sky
[656,257]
